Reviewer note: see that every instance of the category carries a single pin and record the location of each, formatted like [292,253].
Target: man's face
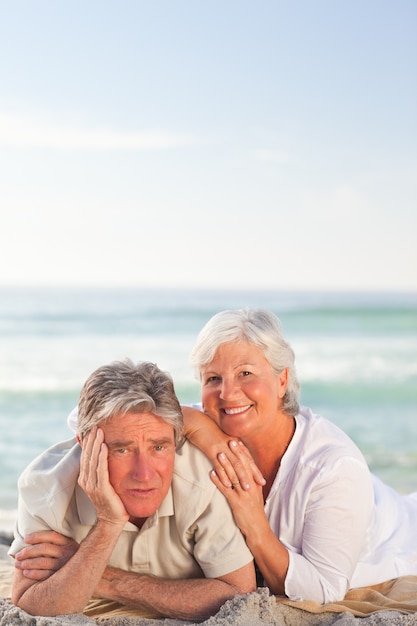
[141,454]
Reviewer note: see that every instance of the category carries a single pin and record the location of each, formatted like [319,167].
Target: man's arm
[181,599]
[69,588]
[189,599]
[83,570]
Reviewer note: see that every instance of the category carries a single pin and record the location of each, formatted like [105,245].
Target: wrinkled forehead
[132,425]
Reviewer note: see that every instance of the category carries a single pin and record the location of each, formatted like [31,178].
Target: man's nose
[142,467]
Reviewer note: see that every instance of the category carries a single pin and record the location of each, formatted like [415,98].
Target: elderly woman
[316,520]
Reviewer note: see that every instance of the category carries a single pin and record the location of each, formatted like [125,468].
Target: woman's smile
[236,410]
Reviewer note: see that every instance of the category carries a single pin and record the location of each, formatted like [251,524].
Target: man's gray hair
[125,387]
[258,327]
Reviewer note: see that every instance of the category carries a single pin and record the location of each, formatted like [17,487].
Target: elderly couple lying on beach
[170,511]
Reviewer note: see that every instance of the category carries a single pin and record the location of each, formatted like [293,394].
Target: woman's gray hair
[258,327]
[125,387]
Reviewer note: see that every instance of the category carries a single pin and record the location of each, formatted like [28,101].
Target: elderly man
[139,520]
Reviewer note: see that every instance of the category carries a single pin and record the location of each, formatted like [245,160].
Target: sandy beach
[259,607]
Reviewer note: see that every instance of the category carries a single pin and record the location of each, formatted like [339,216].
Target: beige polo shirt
[191,535]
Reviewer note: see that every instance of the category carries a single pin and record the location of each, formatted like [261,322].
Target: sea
[356,358]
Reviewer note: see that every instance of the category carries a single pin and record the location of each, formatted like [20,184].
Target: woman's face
[240,390]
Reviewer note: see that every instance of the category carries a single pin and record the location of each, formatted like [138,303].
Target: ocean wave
[7,521]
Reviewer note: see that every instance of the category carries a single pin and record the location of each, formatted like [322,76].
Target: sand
[259,607]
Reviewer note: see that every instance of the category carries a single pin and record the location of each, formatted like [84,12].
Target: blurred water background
[356,357]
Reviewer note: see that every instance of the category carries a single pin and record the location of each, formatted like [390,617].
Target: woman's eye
[213,379]
[245,373]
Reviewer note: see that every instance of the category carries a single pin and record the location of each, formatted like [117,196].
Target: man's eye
[159,447]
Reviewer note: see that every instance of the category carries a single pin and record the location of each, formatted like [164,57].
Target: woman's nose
[228,388]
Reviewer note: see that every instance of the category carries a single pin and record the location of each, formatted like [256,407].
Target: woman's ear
[79,440]
[282,382]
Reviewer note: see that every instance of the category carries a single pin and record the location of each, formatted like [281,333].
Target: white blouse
[342,526]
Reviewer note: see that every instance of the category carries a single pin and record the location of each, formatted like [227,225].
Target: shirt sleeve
[72,419]
[44,497]
[337,518]
[30,500]
[220,547]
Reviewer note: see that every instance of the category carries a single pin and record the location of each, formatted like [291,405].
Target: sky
[209,144]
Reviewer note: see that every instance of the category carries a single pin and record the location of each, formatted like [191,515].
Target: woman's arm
[271,556]
[336,519]
[204,433]
[324,531]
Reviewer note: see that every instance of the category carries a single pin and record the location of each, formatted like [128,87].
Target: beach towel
[398,594]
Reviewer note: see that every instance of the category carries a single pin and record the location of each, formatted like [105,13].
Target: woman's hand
[236,465]
[46,553]
[204,433]
[246,500]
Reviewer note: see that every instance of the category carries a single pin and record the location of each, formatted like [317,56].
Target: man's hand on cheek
[94,479]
